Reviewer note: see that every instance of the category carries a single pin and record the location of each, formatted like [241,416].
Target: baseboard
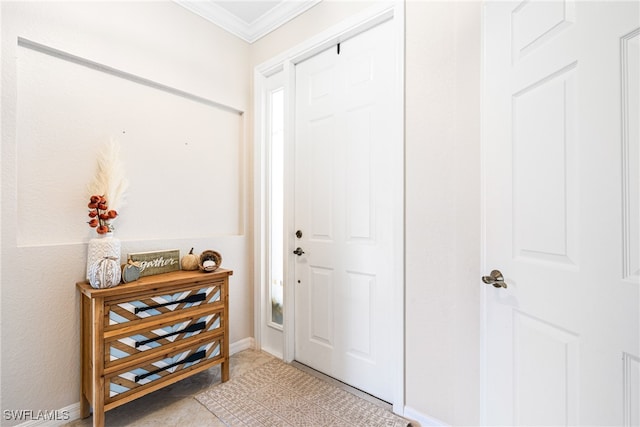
[422,419]
[243,344]
[52,418]
[70,413]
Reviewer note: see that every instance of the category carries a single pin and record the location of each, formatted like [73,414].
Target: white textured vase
[102,247]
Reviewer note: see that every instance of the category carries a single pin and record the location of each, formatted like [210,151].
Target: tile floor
[175,405]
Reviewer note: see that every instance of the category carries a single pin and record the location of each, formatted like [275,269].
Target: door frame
[286,63]
[484,161]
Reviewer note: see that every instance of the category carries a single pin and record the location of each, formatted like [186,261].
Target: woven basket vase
[210,255]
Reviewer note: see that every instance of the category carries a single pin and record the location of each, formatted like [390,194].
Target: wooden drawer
[118,349]
[139,337]
[157,304]
[123,383]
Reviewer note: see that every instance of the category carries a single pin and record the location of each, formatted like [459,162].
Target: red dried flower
[99,211]
[103,229]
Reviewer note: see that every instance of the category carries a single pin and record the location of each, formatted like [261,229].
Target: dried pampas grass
[110,180]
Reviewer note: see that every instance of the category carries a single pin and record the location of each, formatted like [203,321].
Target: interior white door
[346,173]
[560,167]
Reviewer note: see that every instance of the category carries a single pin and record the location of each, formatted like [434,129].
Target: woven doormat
[277,394]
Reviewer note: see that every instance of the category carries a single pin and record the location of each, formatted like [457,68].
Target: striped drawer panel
[118,350]
[155,305]
[127,382]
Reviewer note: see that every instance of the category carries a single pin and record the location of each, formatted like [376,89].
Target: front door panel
[347,175]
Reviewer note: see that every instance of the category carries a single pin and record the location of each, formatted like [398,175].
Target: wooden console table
[142,336]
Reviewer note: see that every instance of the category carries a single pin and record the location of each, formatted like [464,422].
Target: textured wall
[443,209]
[186,162]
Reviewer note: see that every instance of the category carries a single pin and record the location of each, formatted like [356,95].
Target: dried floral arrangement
[100,214]
[107,189]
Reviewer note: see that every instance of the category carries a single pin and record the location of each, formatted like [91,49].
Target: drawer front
[117,351]
[125,383]
[155,305]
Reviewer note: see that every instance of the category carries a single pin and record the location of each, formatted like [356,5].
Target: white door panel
[562,340]
[345,185]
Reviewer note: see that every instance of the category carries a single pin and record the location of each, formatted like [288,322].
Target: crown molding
[249,32]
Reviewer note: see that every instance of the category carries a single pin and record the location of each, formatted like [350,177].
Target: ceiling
[248,19]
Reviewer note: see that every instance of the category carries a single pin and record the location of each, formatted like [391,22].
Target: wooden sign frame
[157,262]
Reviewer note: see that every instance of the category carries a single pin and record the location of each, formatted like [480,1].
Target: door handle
[495,278]
[191,359]
[298,251]
[190,299]
[191,328]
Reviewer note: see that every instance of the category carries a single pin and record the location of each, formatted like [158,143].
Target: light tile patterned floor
[175,405]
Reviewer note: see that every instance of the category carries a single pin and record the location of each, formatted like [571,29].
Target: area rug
[278,394]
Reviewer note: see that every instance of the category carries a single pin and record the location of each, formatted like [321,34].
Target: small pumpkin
[104,273]
[190,261]
[130,271]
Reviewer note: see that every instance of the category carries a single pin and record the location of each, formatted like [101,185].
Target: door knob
[495,278]
[298,251]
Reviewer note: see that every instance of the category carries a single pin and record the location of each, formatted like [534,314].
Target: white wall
[186,162]
[163,42]
[442,210]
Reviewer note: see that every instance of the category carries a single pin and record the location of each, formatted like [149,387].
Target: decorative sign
[157,262]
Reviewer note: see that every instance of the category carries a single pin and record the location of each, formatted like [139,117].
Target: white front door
[348,175]
[561,194]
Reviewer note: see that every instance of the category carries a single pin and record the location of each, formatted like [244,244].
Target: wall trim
[244,344]
[66,56]
[248,31]
[422,419]
[69,413]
